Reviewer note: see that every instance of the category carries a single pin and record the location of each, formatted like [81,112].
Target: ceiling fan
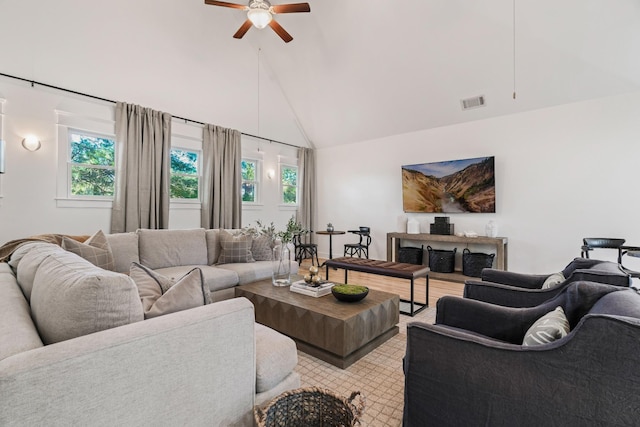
[260,14]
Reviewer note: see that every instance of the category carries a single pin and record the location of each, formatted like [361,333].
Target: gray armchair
[469,369]
[512,289]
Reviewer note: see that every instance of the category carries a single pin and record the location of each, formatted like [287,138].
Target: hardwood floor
[437,288]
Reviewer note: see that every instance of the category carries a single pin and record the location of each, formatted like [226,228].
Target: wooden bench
[386,268]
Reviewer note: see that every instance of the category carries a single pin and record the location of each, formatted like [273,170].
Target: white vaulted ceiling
[355,71]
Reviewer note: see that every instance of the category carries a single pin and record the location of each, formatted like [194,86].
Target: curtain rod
[33,83]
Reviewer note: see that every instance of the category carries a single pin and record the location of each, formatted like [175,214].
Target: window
[289,184]
[250,181]
[185,179]
[91,165]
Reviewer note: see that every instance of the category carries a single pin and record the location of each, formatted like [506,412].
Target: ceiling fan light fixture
[260,18]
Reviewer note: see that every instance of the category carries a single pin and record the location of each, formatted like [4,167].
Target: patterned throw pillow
[550,327]
[235,248]
[553,280]
[95,249]
[161,295]
[261,248]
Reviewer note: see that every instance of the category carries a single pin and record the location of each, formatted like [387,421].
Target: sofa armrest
[588,378]
[508,296]
[195,366]
[531,281]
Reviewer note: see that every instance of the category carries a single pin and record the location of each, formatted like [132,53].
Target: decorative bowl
[349,293]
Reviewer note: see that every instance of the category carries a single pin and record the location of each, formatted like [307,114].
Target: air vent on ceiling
[475,102]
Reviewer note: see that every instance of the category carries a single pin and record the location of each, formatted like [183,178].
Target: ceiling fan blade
[242,30]
[280,31]
[225,4]
[291,8]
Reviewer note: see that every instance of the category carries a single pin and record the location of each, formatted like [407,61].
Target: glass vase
[281,266]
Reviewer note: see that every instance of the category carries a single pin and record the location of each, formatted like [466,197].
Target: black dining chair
[304,248]
[591,243]
[361,248]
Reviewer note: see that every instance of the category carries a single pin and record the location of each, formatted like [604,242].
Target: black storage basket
[441,261]
[474,262]
[411,255]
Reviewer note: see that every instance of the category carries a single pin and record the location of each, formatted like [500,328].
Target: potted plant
[280,240]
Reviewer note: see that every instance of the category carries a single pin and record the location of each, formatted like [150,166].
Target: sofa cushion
[550,327]
[213,245]
[72,297]
[215,278]
[169,248]
[17,331]
[250,272]
[622,303]
[28,258]
[95,249]
[124,247]
[234,248]
[276,357]
[161,295]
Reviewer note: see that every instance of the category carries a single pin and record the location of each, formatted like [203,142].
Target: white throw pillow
[161,295]
[550,327]
[553,280]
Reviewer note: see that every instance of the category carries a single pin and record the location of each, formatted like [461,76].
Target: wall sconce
[271,174]
[31,143]
[1,156]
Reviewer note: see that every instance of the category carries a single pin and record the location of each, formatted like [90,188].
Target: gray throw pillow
[553,280]
[161,295]
[550,327]
[235,248]
[95,249]
[261,248]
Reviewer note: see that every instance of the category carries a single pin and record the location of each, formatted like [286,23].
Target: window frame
[198,175]
[83,117]
[281,186]
[70,164]
[257,182]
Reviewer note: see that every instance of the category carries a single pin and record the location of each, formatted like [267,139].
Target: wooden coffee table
[337,332]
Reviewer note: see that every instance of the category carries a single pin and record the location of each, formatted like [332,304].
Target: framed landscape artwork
[466,185]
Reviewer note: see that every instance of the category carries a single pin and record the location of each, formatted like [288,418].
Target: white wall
[562,174]
[29,200]
[170,57]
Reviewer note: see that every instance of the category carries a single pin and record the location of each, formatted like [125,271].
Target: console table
[394,241]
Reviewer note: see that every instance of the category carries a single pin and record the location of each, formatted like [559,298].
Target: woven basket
[441,261]
[311,407]
[474,262]
[411,255]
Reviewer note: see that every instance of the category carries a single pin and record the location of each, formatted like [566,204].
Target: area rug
[378,376]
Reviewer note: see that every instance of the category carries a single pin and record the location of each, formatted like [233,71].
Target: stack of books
[316,291]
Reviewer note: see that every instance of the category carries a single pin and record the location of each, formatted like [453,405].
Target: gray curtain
[307,172]
[222,178]
[143,144]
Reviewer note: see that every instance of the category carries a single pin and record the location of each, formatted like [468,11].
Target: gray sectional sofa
[75,350]
[173,253]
